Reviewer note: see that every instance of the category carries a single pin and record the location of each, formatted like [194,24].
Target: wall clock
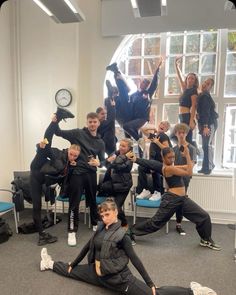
[63,97]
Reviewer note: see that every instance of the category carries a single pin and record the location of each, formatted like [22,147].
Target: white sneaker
[198,289]
[155,196]
[72,239]
[95,227]
[46,260]
[145,194]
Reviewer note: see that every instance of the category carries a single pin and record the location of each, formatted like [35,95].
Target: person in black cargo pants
[84,175]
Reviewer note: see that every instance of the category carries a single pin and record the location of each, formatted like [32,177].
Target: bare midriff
[184,110]
[179,191]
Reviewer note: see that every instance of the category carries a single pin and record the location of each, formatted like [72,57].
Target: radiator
[212,193]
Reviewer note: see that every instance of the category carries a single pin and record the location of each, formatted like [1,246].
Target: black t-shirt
[185,99]
[155,150]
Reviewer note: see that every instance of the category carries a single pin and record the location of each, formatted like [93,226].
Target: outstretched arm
[128,248]
[153,86]
[180,170]
[81,255]
[69,135]
[179,73]
[151,164]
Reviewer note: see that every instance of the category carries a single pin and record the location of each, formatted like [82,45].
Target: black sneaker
[180,230]
[113,68]
[131,235]
[63,114]
[206,172]
[210,244]
[46,238]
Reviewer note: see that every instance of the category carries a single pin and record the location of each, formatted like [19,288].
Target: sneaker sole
[210,247]
[47,242]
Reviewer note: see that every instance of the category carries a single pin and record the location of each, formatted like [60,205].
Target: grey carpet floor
[170,259]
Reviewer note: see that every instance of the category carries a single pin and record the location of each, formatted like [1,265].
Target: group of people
[75,169]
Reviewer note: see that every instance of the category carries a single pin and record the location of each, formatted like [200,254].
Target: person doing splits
[109,251]
[174,198]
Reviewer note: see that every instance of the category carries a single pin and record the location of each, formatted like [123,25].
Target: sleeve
[163,138]
[204,110]
[111,112]
[81,255]
[151,164]
[121,163]
[153,86]
[128,248]
[152,151]
[69,135]
[101,154]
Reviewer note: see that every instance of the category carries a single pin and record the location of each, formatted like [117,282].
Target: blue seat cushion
[62,198]
[5,206]
[100,199]
[147,203]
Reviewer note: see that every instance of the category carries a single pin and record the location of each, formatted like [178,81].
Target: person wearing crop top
[174,198]
[188,99]
[108,253]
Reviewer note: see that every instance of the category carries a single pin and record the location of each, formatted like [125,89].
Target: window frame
[218,95]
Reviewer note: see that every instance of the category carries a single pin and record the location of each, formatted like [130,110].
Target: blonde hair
[181,127]
[167,123]
[75,147]
[108,205]
[129,142]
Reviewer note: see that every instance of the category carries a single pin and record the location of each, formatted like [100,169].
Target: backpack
[5,231]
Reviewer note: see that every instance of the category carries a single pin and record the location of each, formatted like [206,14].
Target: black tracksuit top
[90,145]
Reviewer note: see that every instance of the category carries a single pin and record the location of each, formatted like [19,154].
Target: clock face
[63,97]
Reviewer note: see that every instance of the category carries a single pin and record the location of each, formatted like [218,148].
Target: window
[199,54]
[138,56]
[230,77]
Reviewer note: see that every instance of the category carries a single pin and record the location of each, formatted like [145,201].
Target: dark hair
[212,81]
[196,84]
[107,205]
[92,115]
[166,151]
[99,109]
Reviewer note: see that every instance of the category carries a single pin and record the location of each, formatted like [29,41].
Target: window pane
[150,66]
[209,43]
[135,48]
[193,44]
[151,46]
[230,82]
[208,63]
[134,68]
[171,62]
[229,158]
[173,85]
[122,67]
[191,64]
[231,62]
[232,41]
[171,113]
[176,44]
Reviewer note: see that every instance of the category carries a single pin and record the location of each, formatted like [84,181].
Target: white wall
[53,56]
[8,154]
[118,18]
